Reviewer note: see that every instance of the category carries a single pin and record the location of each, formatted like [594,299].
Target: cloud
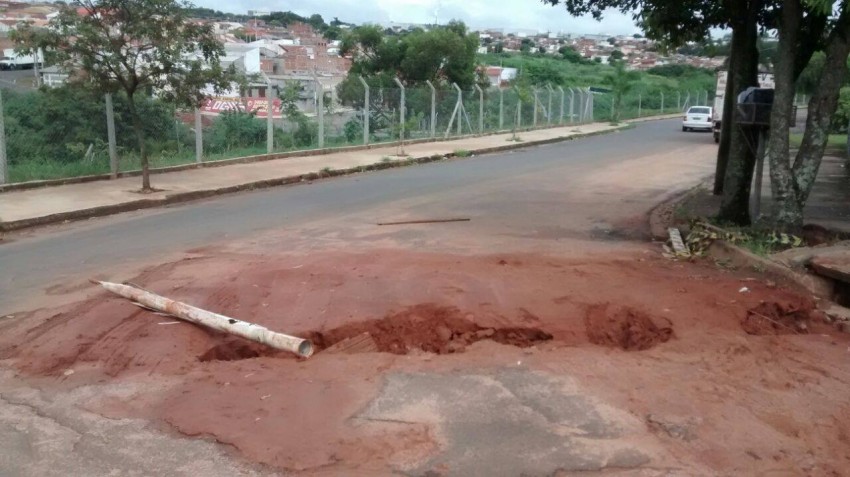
[510,15]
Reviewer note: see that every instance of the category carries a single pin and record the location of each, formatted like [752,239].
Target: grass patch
[836,145]
[462,153]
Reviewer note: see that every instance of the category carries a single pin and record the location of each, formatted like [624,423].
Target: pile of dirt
[427,327]
[779,317]
[624,328]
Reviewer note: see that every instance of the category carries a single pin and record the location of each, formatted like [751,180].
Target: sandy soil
[724,381]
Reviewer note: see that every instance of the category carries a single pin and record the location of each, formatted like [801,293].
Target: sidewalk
[27,208]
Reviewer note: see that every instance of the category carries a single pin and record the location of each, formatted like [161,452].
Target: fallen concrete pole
[249,331]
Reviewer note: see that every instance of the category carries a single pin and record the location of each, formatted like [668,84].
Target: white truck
[765,80]
[15,61]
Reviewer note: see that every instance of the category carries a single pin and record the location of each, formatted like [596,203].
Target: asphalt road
[516,186]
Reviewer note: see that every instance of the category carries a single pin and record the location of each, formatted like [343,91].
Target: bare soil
[673,341]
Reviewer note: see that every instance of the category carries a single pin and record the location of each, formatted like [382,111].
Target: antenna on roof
[437,13]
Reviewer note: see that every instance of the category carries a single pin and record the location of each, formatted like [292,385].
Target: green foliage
[678,71]
[621,82]
[133,46]
[445,53]
[809,78]
[234,130]
[352,130]
[570,54]
[59,124]
[617,55]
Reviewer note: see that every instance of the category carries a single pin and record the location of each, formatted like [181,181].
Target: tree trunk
[738,176]
[822,106]
[139,129]
[725,125]
[787,209]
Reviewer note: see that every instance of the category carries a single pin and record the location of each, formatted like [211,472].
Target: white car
[699,118]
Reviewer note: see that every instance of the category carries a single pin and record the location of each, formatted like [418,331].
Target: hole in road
[440,330]
[624,328]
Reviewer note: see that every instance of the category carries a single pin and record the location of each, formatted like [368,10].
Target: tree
[677,22]
[446,53]
[135,46]
[621,82]
[791,183]
[570,54]
[617,55]
[612,41]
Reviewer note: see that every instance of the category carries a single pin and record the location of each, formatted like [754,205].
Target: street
[544,336]
[518,194]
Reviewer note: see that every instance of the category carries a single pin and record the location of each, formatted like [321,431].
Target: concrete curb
[177,198]
[18,186]
[742,258]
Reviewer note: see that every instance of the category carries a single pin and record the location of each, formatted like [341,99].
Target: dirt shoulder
[670,363]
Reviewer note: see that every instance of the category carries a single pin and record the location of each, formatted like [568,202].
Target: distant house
[499,76]
[52,76]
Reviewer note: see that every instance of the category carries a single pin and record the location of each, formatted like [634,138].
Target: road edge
[182,197]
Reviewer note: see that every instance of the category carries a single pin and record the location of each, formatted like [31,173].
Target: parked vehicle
[765,81]
[697,118]
[14,61]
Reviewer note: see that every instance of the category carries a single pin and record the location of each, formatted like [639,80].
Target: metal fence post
[561,116]
[269,119]
[572,106]
[320,109]
[640,104]
[401,116]
[480,109]
[459,108]
[662,102]
[549,107]
[199,138]
[536,105]
[518,120]
[365,111]
[4,171]
[433,108]
[501,108]
[678,101]
[110,137]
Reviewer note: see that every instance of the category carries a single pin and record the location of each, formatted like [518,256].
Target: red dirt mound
[427,327]
[624,328]
[785,317]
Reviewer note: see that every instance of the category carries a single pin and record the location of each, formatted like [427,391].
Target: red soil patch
[624,328]
[240,394]
[430,328]
[789,316]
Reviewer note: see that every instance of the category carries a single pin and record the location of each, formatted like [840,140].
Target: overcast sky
[510,14]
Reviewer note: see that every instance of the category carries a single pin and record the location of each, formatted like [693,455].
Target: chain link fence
[66,133]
